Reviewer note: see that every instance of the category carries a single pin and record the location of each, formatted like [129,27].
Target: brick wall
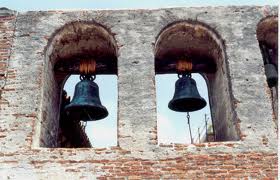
[7,22]
[137,156]
[205,166]
[117,163]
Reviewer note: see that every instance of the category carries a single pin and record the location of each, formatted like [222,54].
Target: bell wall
[26,107]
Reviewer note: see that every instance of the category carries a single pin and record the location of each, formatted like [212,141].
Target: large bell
[186,97]
[271,74]
[86,105]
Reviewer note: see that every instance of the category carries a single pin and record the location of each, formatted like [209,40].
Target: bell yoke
[86,104]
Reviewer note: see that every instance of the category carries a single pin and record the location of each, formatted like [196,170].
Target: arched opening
[70,45]
[172,126]
[201,45]
[101,133]
[267,35]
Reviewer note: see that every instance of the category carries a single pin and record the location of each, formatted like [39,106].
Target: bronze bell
[86,105]
[271,74]
[186,97]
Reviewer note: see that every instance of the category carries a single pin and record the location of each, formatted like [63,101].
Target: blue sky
[172,126]
[101,133]
[25,5]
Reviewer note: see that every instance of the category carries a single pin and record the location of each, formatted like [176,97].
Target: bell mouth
[86,113]
[187,104]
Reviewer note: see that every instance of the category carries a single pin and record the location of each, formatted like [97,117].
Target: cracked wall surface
[23,40]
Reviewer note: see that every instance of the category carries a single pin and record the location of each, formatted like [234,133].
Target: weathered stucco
[23,99]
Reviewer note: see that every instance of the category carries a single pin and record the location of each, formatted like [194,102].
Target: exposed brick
[138,156]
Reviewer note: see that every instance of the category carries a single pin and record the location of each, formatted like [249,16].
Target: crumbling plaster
[135,32]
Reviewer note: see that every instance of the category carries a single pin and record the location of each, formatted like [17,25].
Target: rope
[184,66]
[87,67]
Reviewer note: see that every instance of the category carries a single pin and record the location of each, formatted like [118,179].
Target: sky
[102,133]
[26,5]
[172,126]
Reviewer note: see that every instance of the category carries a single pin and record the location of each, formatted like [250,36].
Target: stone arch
[267,36]
[202,45]
[267,31]
[73,42]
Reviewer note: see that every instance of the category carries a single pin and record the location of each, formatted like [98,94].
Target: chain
[188,118]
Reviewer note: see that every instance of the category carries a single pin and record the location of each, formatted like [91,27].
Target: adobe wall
[23,40]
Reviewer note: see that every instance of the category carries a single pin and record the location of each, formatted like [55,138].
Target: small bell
[186,97]
[86,105]
[271,74]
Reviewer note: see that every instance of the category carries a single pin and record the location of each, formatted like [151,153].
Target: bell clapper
[91,119]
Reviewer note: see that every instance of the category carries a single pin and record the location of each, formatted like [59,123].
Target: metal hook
[87,77]
[185,74]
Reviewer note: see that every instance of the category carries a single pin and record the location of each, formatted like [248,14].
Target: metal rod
[188,117]
[206,127]
[213,127]
[198,135]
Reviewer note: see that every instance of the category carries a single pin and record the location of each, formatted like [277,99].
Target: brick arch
[198,42]
[68,45]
